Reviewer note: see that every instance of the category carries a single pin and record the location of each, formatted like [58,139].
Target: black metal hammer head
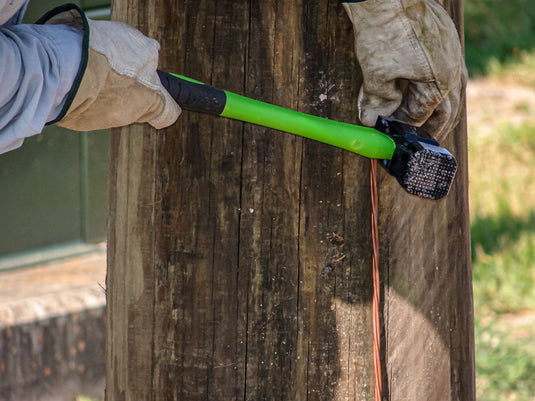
[420,165]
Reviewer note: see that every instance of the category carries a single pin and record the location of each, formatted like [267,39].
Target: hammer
[420,165]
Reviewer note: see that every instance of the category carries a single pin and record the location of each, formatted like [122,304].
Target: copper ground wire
[376,282]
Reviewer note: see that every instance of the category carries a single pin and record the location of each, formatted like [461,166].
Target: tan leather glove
[117,83]
[412,63]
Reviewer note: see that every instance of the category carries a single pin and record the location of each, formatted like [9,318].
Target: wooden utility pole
[220,231]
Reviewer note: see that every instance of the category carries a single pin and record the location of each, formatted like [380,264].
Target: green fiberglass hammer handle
[195,96]
[420,165]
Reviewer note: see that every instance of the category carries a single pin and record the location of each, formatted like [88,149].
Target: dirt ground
[55,288]
[491,103]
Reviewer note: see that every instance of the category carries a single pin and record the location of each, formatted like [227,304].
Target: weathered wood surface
[428,284]
[219,231]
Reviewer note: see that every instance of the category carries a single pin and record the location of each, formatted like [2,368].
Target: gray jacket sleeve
[39,66]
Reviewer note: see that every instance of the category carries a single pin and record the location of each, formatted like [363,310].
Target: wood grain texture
[426,267]
[429,285]
[220,231]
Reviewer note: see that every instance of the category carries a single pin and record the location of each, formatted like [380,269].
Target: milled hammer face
[420,165]
[429,172]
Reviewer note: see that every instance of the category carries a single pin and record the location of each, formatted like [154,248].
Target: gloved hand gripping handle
[193,95]
[420,165]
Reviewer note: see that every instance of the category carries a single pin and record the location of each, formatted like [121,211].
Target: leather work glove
[117,83]
[412,63]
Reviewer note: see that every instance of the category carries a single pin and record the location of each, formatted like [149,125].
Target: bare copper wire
[376,282]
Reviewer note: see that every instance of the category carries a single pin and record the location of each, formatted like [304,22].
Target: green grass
[520,72]
[502,197]
[505,365]
[500,43]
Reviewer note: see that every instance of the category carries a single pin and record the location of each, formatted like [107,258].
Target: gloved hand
[117,83]
[412,63]
[9,8]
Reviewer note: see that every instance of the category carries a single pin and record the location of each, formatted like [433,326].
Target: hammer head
[420,165]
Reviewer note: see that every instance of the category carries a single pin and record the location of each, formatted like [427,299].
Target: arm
[39,65]
[85,75]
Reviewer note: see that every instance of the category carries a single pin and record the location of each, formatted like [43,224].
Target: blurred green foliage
[520,71]
[497,30]
[502,197]
[500,42]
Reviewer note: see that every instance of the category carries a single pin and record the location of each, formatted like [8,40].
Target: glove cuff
[73,16]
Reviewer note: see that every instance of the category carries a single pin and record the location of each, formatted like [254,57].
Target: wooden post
[220,231]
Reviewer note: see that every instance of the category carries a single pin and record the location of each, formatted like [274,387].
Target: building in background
[54,188]
[53,208]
